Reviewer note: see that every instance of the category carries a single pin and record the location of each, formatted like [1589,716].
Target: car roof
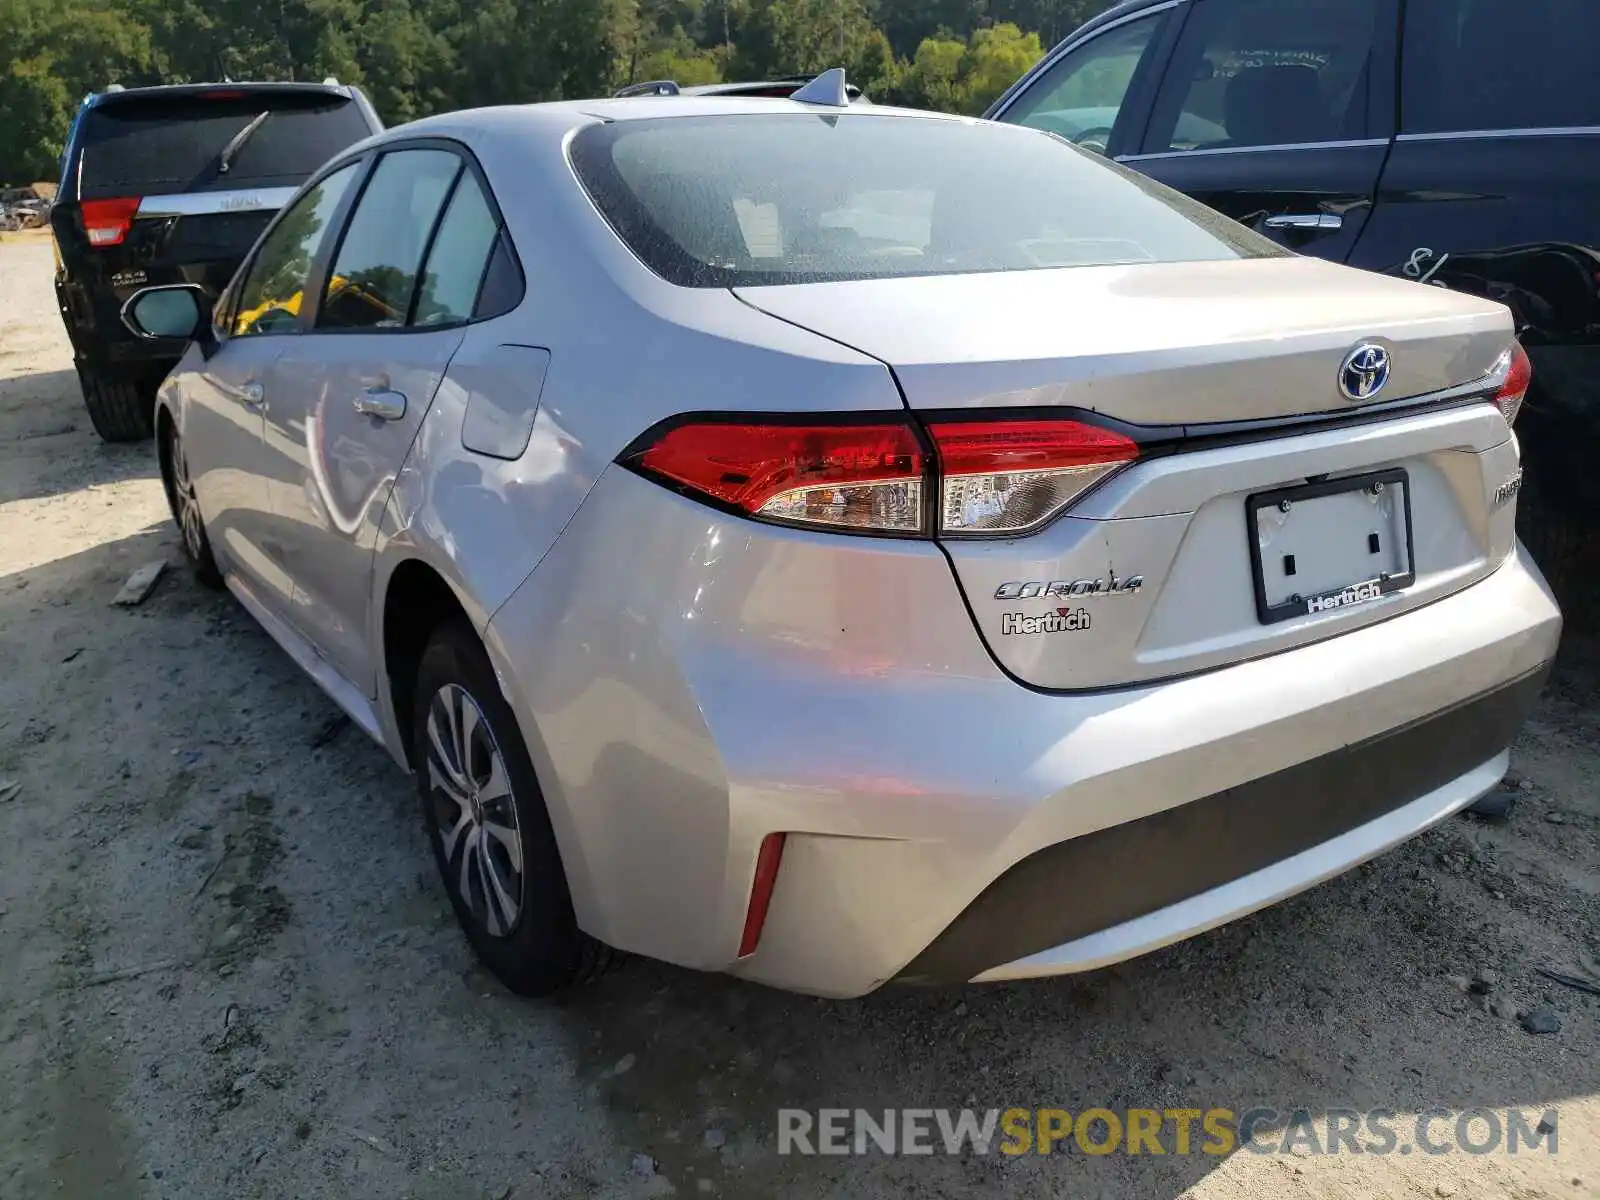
[523,119]
[775,88]
[177,91]
[651,108]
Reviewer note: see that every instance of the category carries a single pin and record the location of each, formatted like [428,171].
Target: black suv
[174,185]
[1453,142]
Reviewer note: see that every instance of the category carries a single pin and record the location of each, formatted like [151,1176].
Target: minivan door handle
[252,393]
[382,403]
[1306,221]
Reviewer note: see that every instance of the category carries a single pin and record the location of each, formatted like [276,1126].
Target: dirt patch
[229,969]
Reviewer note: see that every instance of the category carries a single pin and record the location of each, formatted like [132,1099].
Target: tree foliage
[416,57]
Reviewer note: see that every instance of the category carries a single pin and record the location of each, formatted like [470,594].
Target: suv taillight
[106,222]
[987,477]
[1518,369]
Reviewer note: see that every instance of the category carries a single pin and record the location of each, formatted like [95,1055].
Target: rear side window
[375,271]
[460,253]
[795,198]
[1499,64]
[1267,73]
[140,147]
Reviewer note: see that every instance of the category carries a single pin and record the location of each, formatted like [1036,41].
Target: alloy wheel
[185,505]
[474,811]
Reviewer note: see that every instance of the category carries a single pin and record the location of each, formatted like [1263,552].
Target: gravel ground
[227,969]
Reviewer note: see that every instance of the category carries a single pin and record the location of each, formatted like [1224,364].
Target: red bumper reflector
[767,860]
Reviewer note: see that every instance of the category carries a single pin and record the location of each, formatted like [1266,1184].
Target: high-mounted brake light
[1013,476]
[990,477]
[106,222]
[850,475]
[1518,368]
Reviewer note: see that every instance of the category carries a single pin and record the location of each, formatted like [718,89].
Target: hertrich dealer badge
[1063,620]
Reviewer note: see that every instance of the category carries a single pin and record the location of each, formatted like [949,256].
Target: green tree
[933,80]
[51,55]
[995,59]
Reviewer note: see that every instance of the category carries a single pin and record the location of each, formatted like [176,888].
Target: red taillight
[224,94]
[755,916]
[106,222]
[1013,476]
[1518,368]
[852,475]
[989,476]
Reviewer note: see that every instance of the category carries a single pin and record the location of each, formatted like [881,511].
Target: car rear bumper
[689,683]
[1135,887]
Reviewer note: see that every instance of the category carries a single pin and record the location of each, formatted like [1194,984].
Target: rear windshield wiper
[225,160]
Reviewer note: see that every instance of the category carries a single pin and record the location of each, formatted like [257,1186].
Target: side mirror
[173,311]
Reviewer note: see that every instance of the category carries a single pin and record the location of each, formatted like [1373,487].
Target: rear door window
[1252,73]
[141,147]
[1474,65]
[1081,97]
[375,272]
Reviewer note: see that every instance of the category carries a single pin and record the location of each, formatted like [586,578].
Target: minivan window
[274,287]
[746,200]
[1498,64]
[1081,96]
[1267,73]
[139,147]
[375,270]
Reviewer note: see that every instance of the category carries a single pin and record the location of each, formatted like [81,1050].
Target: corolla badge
[1365,371]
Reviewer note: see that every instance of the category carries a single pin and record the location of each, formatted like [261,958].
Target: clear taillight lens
[851,476]
[1518,370]
[999,477]
[989,477]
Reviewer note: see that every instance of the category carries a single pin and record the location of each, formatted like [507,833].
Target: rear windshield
[150,147]
[740,201]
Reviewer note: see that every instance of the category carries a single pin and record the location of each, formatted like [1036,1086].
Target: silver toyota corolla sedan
[837,545]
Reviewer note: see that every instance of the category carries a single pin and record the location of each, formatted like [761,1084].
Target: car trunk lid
[1266,511]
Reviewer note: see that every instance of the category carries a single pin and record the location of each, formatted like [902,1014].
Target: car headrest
[1274,106]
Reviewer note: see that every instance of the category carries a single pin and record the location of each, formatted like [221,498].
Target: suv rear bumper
[101,342]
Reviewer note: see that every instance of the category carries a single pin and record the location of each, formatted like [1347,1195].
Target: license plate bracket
[1349,540]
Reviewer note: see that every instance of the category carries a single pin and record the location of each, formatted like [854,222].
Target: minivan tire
[121,409]
[544,951]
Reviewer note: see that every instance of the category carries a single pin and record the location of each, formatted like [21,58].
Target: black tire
[122,409]
[185,507]
[541,950]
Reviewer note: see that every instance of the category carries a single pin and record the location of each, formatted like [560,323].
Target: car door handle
[252,393]
[1306,221]
[381,403]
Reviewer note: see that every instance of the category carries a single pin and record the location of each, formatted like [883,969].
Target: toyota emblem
[1365,371]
